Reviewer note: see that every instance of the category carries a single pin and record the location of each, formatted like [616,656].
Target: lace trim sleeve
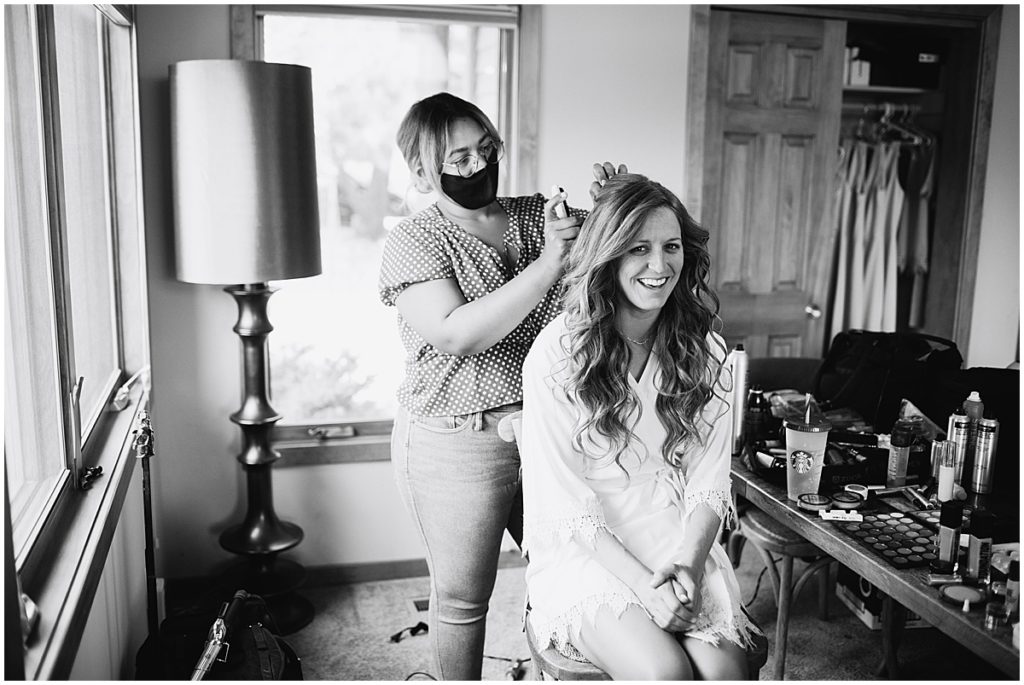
[550,529]
[720,502]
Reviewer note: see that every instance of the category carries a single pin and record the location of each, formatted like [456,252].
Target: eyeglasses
[490,153]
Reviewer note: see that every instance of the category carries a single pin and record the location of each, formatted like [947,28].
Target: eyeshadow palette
[894,536]
[930,518]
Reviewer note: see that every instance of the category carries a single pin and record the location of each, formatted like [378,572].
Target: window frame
[362,441]
[60,564]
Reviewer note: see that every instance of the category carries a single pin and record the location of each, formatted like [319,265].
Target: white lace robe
[569,496]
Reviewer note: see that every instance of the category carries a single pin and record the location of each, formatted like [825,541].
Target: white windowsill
[62,579]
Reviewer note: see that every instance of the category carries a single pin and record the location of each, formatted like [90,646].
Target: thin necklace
[641,343]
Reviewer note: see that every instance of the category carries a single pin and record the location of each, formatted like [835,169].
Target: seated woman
[625,452]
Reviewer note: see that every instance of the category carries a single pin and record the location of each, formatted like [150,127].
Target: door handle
[813,311]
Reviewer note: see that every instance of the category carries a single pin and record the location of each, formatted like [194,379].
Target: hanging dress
[885,205]
[915,222]
[848,302]
[569,495]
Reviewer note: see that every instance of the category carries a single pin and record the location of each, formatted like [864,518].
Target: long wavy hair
[598,354]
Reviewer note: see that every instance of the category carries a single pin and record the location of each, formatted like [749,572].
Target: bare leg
[633,647]
[727,661]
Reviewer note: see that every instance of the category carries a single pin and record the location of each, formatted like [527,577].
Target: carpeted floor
[349,638]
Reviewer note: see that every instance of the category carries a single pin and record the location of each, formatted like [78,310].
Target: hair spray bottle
[739,396]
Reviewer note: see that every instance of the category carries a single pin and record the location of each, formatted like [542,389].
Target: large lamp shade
[245,192]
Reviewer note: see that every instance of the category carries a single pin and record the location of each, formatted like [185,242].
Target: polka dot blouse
[427,246]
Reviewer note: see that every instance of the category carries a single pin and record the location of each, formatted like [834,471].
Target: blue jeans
[461,483]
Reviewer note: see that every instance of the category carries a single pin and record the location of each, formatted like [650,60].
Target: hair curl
[599,357]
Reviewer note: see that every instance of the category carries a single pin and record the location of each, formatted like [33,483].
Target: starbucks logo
[801,461]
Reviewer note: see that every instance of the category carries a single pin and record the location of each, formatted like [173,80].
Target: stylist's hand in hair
[603,172]
[558,233]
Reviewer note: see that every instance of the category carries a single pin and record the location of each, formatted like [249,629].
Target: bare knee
[661,665]
[724,662]
[726,669]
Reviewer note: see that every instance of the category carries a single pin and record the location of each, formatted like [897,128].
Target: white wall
[995,323]
[613,87]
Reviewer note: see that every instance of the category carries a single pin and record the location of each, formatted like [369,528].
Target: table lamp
[245,213]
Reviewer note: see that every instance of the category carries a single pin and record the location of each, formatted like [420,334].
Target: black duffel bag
[240,643]
[871,371]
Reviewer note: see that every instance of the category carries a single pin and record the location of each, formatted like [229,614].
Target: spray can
[974,408]
[739,396]
[957,432]
[985,441]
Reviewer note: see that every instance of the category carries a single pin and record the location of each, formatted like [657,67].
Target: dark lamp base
[274,580]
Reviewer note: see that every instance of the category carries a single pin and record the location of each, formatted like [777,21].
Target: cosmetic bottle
[757,412]
[1013,588]
[944,467]
[958,429]
[947,540]
[899,454]
[979,548]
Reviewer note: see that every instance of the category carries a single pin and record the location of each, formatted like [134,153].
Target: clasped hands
[672,597]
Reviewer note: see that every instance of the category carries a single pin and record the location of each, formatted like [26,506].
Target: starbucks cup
[805,455]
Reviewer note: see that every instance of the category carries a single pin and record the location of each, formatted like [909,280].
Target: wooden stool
[548,664]
[768,535]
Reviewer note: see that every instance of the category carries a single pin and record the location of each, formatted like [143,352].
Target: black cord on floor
[515,669]
[423,673]
[757,585]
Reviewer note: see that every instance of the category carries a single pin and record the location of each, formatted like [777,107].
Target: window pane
[80,77]
[335,351]
[33,434]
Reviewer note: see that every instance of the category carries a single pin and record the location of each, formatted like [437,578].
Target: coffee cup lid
[821,426]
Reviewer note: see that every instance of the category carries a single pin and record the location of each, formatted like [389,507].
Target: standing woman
[625,448]
[473,278]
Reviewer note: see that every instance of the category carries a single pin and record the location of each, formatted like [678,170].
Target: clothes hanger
[887,123]
[907,121]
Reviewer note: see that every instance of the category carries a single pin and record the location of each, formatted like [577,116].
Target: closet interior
[896,82]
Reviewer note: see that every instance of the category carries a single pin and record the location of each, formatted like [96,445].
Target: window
[335,356]
[74,313]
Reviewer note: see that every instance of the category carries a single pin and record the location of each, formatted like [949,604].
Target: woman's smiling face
[653,262]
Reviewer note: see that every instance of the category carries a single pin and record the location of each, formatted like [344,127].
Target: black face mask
[479,190]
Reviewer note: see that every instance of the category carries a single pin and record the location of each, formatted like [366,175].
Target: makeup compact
[847,500]
[959,595]
[813,502]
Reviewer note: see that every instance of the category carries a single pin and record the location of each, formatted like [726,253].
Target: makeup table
[903,587]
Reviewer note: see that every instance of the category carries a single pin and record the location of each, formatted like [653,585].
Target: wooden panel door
[774,98]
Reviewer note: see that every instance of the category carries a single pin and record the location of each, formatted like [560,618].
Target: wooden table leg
[894,617]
